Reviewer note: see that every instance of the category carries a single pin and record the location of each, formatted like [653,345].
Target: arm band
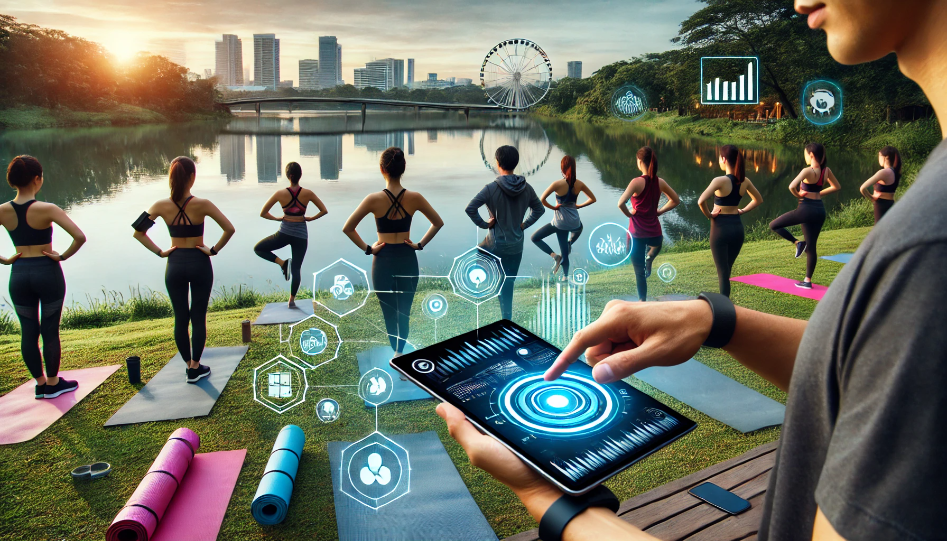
[143,223]
[554,521]
[724,319]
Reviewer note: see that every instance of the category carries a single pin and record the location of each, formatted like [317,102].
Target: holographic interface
[574,430]
[822,102]
[729,80]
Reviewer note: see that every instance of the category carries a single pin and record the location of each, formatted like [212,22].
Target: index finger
[603,329]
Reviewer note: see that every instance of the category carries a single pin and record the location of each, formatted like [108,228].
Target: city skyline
[425,30]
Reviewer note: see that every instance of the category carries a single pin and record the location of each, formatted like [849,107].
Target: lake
[105,178]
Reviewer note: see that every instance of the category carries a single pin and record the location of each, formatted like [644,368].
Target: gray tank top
[567,217]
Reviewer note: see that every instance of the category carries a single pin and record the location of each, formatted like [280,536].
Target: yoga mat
[271,502]
[437,507]
[168,396]
[379,357]
[277,312]
[713,393]
[839,258]
[199,504]
[139,518]
[783,285]
[23,417]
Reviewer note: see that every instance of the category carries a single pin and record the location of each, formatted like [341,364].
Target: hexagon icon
[341,288]
[314,341]
[375,471]
[477,275]
[280,384]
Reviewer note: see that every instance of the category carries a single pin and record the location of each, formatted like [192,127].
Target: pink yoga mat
[783,285]
[23,417]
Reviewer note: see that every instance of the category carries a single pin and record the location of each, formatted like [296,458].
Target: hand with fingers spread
[632,336]
[9,260]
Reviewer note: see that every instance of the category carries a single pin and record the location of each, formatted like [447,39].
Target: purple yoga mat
[140,517]
[783,285]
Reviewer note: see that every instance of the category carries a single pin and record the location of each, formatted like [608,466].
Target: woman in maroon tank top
[645,229]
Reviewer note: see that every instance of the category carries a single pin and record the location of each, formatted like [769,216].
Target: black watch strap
[724,319]
[368,249]
[566,508]
[213,250]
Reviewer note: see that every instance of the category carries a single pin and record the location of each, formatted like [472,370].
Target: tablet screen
[574,430]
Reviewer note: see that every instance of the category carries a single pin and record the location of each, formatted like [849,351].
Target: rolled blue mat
[271,502]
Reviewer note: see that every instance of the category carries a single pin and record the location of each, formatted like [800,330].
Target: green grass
[26,117]
[41,501]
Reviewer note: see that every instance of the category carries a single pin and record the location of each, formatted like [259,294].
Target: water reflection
[233,156]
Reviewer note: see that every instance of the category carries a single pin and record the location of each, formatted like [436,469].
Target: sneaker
[800,247]
[196,374]
[64,386]
[558,259]
[804,285]
[648,260]
[40,391]
[286,269]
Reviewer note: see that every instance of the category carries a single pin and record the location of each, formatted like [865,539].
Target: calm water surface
[105,177]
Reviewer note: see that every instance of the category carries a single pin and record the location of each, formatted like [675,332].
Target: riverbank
[35,118]
[83,512]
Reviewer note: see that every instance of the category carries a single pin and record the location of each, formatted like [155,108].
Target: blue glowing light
[572,405]
[822,102]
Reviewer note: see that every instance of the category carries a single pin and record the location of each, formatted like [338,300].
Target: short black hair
[294,172]
[508,157]
[22,170]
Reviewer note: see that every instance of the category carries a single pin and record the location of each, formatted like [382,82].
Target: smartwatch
[368,249]
[420,246]
[724,319]
[213,250]
[566,508]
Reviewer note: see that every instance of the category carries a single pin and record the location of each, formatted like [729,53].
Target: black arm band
[368,249]
[724,319]
[143,223]
[566,508]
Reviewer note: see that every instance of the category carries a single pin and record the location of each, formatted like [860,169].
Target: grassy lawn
[41,501]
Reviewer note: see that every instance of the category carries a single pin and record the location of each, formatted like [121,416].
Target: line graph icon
[729,80]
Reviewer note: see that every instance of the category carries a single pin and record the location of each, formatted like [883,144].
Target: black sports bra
[818,186]
[400,225]
[295,206]
[24,235]
[181,226]
[733,198]
[889,188]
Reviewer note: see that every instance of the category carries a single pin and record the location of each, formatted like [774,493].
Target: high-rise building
[172,49]
[463,81]
[376,73]
[410,71]
[432,77]
[266,60]
[360,78]
[574,69]
[395,72]
[308,74]
[329,55]
[338,66]
[229,61]
[246,76]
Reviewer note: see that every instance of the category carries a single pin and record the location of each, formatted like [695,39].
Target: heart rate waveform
[496,342]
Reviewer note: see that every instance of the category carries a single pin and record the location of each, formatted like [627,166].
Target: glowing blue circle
[572,405]
[313,341]
[614,246]
[822,102]
[557,401]
[523,351]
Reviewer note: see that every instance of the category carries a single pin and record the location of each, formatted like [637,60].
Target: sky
[447,37]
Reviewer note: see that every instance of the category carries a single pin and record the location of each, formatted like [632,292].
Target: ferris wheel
[516,74]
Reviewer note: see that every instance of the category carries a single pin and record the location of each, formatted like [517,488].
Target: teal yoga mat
[271,502]
[839,258]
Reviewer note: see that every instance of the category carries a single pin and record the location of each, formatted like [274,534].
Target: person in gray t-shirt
[863,453]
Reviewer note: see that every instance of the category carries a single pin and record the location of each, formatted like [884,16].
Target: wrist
[538,499]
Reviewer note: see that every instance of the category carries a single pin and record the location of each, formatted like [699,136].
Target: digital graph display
[574,430]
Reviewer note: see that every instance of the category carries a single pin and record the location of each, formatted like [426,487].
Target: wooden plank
[736,526]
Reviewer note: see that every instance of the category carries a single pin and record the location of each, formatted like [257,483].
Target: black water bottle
[134,369]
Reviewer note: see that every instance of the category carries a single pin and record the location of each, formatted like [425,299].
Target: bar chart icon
[729,80]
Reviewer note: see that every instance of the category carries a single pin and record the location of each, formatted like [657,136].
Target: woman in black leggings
[566,224]
[292,230]
[395,265]
[189,266]
[726,226]
[36,280]
[809,186]
[885,182]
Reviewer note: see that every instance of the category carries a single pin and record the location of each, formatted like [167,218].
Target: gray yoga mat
[839,258]
[713,393]
[168,395]
[437,507]
[277,312]
[379,357]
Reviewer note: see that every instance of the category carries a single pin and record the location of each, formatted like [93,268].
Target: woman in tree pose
[566,223]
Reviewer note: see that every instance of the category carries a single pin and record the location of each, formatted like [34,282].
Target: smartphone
[720,498]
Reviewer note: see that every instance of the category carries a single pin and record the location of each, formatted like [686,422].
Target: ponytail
[568,169]
[179,176]
[894,158]
[650,159]
[817,150]
[735,158]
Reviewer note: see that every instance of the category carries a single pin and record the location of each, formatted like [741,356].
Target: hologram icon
[280,384]
[629,103]
[477,275]
[328,410]
[342,288]
[667,273]
[579,277]
[729,80]
[610,244]
[375,387]
[822,102]
[434,306]
[375,471]
[313,341]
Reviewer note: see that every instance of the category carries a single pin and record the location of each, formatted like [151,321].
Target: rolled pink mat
[139,518]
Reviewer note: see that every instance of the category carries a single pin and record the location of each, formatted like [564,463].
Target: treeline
[49,68]
[470,94]
[790,55]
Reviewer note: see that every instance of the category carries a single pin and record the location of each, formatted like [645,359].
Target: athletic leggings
[639,248]
[726,240]
[189,268]
[395,268]
[35,283]
[566,240]
[810,214]
[881,207]
[511,255]
[278,240]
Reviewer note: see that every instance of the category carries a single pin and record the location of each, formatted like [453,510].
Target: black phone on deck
[574,431]
[720,498]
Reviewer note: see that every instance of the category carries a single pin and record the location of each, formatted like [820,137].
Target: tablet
[575,432]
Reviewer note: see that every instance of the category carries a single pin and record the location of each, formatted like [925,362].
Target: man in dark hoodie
[507,198]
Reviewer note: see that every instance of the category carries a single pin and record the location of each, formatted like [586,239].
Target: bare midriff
[35,250]
[187,242]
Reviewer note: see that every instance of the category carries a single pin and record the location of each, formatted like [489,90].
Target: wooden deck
[670,513]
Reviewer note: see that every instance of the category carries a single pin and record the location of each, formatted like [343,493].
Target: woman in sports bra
[37,285]
[809,186]
[189,267]
[726,226]
[395,265]
[885,181]
[644,192]
[566,223]
[292,230]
